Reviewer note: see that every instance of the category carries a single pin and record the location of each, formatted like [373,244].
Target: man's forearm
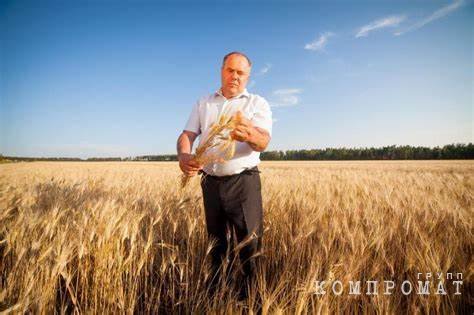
[184,145]
[259,139]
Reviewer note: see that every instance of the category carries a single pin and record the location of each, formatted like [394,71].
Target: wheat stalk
[219,138]
[111,237]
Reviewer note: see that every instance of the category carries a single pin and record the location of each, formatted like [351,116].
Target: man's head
[235,73]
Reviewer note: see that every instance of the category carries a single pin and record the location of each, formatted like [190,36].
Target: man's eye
[240,73]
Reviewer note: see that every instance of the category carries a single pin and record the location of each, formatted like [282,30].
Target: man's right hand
[188,165]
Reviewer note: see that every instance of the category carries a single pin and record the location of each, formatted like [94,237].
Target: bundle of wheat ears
[219,140]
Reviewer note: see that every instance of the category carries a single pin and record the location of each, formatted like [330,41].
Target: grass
[124,238]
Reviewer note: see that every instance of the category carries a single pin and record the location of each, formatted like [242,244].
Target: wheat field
[122,237]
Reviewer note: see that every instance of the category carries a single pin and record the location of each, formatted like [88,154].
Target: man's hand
[188,165]
[257,138]
[243,130]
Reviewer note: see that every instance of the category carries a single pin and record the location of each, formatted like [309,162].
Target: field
[92,237]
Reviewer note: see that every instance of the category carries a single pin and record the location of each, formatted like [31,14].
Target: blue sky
[120,78]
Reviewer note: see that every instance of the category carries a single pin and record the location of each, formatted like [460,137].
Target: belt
[226,177]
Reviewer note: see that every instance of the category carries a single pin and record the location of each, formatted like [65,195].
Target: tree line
[447,152]
[406,152]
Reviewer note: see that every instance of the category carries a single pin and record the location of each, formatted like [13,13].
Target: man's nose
[235,75]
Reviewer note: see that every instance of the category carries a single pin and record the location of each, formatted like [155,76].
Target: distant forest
[447,152]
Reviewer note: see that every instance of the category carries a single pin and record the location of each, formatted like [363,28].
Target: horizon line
[273,150]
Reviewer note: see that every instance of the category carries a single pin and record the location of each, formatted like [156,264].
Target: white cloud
[286,97]
[319,43]
[389,21]
[262,71]
[287,91]
[265,69]
[434,16]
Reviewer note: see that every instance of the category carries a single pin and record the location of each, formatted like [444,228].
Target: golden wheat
[123,238]
[218,146]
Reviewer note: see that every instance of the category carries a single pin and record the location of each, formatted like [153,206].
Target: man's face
[234,75]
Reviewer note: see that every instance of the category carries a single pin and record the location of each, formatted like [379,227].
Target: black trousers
[233,204]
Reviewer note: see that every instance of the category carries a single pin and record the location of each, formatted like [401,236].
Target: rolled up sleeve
[262,117]
[193,124]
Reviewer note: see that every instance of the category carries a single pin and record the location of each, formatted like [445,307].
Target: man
[231,189]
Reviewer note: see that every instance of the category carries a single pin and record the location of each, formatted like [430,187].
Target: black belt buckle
[251,170]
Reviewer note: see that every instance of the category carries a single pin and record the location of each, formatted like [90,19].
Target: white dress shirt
[205,113]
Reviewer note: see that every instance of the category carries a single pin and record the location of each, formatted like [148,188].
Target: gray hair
[236,53]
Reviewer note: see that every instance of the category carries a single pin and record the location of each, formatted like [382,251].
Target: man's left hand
[244,129]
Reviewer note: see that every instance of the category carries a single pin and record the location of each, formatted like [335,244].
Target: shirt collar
[244,93]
